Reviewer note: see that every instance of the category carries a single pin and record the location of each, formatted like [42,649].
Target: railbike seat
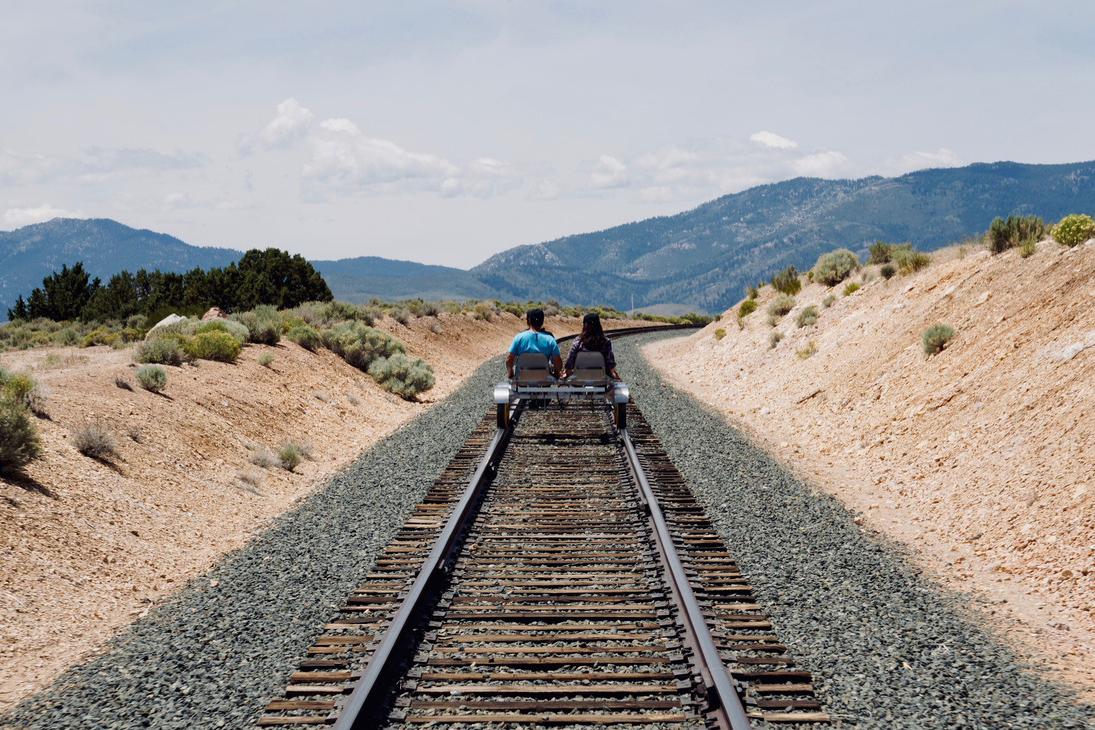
[589,369]
[532,369]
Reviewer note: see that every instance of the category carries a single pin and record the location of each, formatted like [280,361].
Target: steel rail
[366,701]
[722,689]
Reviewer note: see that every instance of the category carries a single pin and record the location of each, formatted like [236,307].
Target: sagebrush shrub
[851,288]
[213,345]
[1027,248]
[781,305]
[152,378]
[239,332]
[937,337]
[17,386]
[306,336]
[834,267]
[263,324]
[807,351]
[19,444]
[93,438]
[264,457]
[881,252]
[751,292]
[774,338]
[888,271]
[1072,230]
[1012,231]
[265,359]
[746,308]
[910,260]
[401,315]
[484,310]
[787,281]
[289,456]
[828,300]
[720,333]
[404,376]
[359,344]
[168,349]
[807,317]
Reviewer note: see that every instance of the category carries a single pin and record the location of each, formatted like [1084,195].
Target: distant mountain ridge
[698,260]
[705,256]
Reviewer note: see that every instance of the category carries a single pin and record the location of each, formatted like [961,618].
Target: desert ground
[87,546]
[979,460]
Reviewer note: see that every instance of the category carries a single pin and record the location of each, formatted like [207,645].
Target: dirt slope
[87,546]
[981,458]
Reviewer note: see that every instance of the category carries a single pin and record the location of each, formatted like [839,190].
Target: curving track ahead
[557,573]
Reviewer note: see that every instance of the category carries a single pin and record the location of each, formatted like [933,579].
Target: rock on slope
[980,458]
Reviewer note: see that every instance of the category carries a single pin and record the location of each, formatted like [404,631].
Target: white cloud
[290,124]
[17,217]
[771,139]
[94,166]
[609,172]
[344,160]
[829,163]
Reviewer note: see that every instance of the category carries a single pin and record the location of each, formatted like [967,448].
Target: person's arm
[556,364]
[568,368]
[610,360]
[511,360]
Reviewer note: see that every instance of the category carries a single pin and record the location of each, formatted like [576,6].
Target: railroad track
[557,573]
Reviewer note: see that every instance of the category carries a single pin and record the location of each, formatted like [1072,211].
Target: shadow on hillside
[30,484]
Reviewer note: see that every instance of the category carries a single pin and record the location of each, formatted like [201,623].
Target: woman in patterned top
[592,339]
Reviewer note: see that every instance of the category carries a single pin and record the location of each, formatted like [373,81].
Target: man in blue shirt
[534,339]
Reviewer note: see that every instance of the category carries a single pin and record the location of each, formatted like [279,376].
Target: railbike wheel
[503,415]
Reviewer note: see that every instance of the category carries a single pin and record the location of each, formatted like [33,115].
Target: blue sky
[443,131]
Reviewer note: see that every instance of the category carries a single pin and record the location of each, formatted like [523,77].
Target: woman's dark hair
[593,336]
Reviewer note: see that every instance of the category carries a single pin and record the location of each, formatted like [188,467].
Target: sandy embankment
[981,459]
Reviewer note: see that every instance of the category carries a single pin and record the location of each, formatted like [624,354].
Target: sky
[444,131]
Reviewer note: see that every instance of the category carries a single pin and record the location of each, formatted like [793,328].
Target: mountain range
[698,260]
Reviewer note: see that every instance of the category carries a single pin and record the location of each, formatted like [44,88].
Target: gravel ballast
[887,648]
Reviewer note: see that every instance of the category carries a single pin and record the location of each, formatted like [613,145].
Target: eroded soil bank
[979,458]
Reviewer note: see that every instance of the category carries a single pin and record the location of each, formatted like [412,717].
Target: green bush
[1012,231]
[937,337]
[781,305]
[213,345]
[909,260]
[881,252]
[151,377]
[1072,230]
[828,300]
[306,336]
[238,331]
[746,308]
[834,267]
[166,349]
[807,317]
[851,288]
[360,345]
[888,271]
[751,292]
[807,352]
[263,324]
[720,333]
[266,359]
[19,387]
[787,281]
[289,456]
[404,376]
[19,444]
[1027,248]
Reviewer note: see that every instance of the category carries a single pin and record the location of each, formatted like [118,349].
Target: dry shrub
[93,438]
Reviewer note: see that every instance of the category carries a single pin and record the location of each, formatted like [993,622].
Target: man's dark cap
[535,317]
